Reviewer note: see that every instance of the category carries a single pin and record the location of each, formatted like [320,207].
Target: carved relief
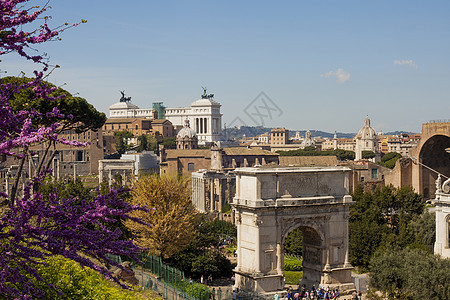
[258,221]
[446,186]
[312,255]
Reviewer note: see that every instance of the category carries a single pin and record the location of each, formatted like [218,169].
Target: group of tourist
[314,293]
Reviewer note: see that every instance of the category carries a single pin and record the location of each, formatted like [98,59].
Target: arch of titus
[270,203]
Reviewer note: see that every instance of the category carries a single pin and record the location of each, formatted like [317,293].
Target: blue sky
[324,64]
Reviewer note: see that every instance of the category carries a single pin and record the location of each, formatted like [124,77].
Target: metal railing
[169,282]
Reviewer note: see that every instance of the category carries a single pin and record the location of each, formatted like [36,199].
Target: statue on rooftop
[123,98]
[205,95]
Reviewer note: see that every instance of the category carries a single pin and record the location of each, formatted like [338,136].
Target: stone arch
[432,154]
[270,203]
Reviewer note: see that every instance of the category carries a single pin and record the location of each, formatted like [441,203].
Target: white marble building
[203,115]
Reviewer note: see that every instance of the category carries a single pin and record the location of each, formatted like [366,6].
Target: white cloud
[340,74]
[405,62]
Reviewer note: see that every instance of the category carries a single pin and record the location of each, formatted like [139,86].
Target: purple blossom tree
[34,226]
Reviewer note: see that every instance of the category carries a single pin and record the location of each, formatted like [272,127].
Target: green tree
[389,159]
[293,244]
[121,141]
[211,262]
[367,154]
[171,214]
[169,142]
[203,254]
[410,274]
[66,188]
[381,218]
[84,115]
[146,142]
[421,232]
[311,151]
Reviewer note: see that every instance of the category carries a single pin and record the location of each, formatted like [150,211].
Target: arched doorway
[312,253]
[433,155]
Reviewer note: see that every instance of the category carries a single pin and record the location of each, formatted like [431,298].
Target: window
[190,166]
[374,173]
[362,178]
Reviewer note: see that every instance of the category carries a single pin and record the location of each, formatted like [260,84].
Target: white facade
[367,140]
[128,110]
[203,115]
[442,202]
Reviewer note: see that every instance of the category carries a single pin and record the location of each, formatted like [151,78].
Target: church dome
[366,132]
[186,132]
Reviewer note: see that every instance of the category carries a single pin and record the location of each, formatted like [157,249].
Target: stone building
[367,140]
[113,170]
[138,126]
[67,160]
[401,144]
[368,174]
[146,162]
[212,189]
[279,136]
[186,161]
[214,186]
[426,160]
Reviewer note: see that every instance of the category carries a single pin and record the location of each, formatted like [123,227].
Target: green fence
[167,281]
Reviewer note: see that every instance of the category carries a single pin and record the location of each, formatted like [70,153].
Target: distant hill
[236,133]
[398,132]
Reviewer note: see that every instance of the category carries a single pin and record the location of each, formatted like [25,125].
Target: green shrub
[77,282]
[292,263]
[194,289]
[293,277]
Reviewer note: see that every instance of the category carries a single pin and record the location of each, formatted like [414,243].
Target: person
[289,295]
[354,296]
[219,294]
[276,297]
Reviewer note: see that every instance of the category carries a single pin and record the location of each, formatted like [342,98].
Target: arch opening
[434,155]
[307,243]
